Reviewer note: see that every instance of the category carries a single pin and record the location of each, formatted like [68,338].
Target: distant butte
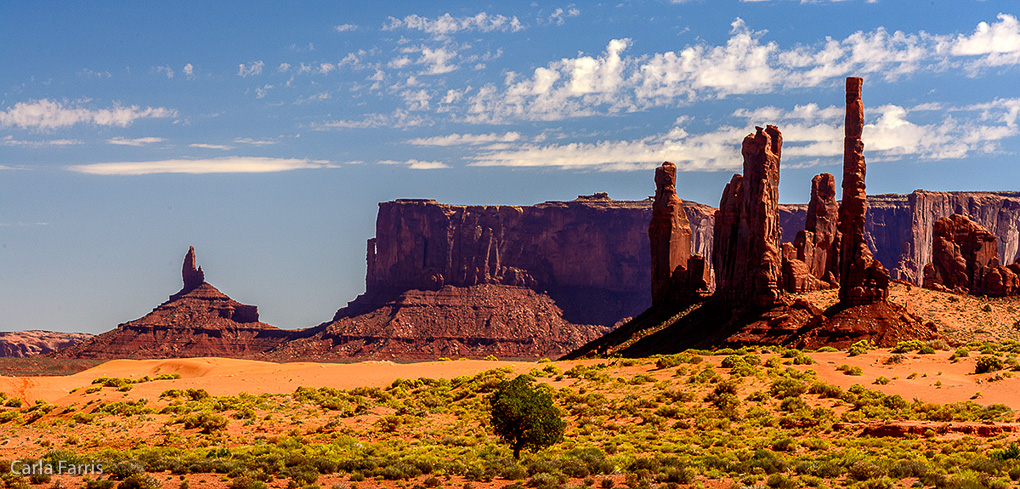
[197,321]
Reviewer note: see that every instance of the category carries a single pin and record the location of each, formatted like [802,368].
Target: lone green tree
[524,416]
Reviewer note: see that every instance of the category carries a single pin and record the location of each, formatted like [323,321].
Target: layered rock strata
[509,322]
[811,262]
[965,258]
[746,255]
[197,321]
[678,277]
[862,279]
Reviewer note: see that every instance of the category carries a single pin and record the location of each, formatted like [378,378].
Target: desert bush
[861,347]
[908,468]
[881,380]
[245,482]
[139,481]
[863,470]
[825,390]
[208,422]
[848,370]
[786,387]
[1012,452]
[987,364]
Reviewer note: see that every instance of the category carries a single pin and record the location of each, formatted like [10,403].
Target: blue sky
[265,133]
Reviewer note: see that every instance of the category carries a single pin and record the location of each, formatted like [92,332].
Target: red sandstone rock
[32,343]
[815,263]
[965,259]
[197,321]
[746,255]
[475,321]
[862,279]
[192,277]
[678,277]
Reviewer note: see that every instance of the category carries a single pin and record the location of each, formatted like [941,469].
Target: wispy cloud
[346,27]
[167,70]
[810,135]
[256,142]
[466,139]
[447,24]
[189,71]
[232,164]
[416,164]
[560,16]
[134,142]
[251,69]
[48,114]
[210,146]
[10,141]
[399,118]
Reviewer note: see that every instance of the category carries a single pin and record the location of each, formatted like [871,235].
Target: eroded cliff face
[591,255]
[31,343]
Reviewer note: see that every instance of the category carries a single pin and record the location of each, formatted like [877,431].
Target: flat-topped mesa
[965,259]
[812,262]
[746,254]
[678,277]
[193,277]
[862,279]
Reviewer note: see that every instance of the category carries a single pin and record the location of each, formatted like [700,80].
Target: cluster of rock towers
[752,268]
[965,259]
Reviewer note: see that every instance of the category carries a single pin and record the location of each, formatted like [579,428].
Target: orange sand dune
[228,377]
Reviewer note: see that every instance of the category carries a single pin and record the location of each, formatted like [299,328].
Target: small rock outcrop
[811,262]
[965,259]
[678,277]
[862,279]
[476,321]
[197,321]
[746,255]
[33,342]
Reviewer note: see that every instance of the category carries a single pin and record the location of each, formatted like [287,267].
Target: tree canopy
[524,416]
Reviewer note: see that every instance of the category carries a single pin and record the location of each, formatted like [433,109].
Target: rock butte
[197,321]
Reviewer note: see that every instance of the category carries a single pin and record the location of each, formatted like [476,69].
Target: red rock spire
[862,279]
[192,277]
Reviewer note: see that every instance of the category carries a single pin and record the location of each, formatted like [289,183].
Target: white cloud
[87,73]
[255,68]
[210,146]
[255,142]
[283,67]
[346,27]
[164,69]
[48,114]
[559,15]
[400,118]
[617,81]
[463,139]
[10,141]
[416,164]
[134,142]
[189,71]
[446,24]
[232,164]
[998,44]
[810,135]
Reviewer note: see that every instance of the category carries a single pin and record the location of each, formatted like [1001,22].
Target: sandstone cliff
[31,343]
[197,321]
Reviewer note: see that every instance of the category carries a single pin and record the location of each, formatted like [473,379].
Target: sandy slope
[228,377]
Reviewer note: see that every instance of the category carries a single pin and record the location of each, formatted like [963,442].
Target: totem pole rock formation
[746,256]
[192,277]
[812,261]
[678,277]
[965,259]
[862,279]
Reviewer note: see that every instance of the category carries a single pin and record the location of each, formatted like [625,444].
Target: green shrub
[786,387]
[848,370]
[987,364]
[860,348]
